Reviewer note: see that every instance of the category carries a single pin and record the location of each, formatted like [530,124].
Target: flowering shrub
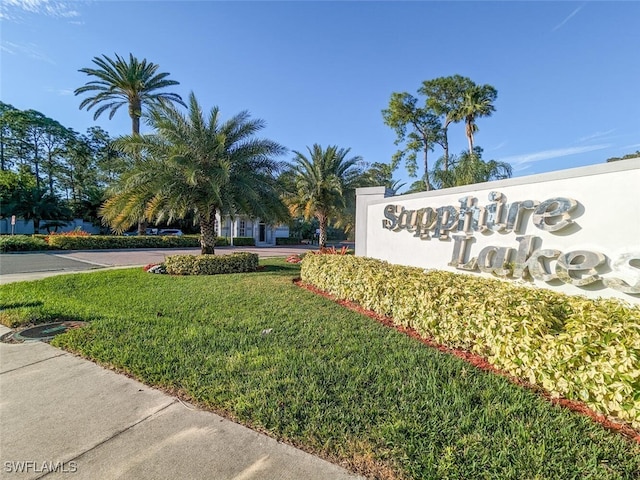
[78,232]
[294,258]
[155,268]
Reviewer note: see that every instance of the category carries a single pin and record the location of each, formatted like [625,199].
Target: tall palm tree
[477,102]
[134,83]
[200,166]
[322,182]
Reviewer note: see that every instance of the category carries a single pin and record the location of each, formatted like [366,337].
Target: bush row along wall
[287,241]
[17,243]
[582,349]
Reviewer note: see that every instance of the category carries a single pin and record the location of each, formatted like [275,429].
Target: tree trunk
[322,239]
[142,227]
[469,128]
[207,233]
[36,163]
[50,167]
[445,144]
[1,150]
[135,112]
[426,167]
[135,125]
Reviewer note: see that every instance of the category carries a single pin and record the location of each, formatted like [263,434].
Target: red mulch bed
[483,364]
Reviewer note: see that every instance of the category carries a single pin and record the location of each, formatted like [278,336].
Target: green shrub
[211,264]
[222,242]
[244,241]
[21,243]
[95,242]
[287,241]
[572,346]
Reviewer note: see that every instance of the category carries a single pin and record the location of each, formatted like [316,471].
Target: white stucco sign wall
[576,231]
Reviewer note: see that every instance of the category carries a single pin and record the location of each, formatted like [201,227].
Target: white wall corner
[364,197]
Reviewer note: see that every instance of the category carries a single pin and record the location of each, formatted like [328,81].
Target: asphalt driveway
[20,266]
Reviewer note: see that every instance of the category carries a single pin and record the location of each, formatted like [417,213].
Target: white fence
[25,227]
[576,231]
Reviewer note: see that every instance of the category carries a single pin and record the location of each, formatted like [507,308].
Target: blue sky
[567,73]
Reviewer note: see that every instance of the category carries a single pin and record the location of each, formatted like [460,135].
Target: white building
[241,226]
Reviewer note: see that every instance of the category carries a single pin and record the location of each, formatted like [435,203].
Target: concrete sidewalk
[60,412]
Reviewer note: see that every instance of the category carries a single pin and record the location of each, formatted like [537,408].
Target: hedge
[211,264]
[221,241]
[21,243]
[582,349]
[287,241]
[244,241]
[96,242]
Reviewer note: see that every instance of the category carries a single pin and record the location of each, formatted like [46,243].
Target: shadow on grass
[288,269]
[9,306]
[24,317]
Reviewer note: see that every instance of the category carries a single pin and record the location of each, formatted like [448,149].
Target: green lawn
[330,380]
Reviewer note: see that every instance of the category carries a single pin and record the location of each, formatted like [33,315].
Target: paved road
[39,262]
[35,265]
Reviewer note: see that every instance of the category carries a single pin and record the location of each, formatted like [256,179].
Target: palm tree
[200,166]
[322,183]
[134,83]
[381,174]
[38,204]
[477,102]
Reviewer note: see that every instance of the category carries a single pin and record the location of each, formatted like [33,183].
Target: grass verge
[307,371]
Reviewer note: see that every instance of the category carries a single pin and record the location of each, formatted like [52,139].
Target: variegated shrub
[571,346]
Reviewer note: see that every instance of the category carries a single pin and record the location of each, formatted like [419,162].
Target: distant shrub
[221,241]
[73,233]
[21,243]
[244,241]
[287,241]
[96,242]
[211,264]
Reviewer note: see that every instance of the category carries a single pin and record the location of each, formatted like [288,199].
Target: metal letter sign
[578,267]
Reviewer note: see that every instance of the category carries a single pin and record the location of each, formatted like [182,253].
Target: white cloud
[569,17]
[11,9]
[518,160]
[635,145]
[30,50]
[596,135]
[499,146]
[63,92]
